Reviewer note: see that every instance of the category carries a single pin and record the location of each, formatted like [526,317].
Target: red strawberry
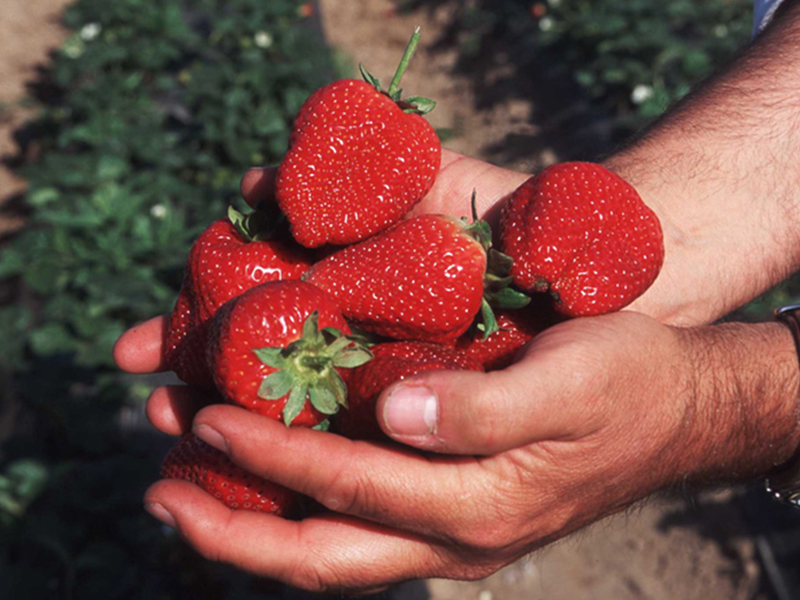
[584,234]
[195,461]
[392,362]
[275,349]
[422,279]
[517,328]
[229,258]
[359,159]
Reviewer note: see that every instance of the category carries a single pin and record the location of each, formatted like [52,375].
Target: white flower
[73,48]
[721,31]
[641,93]
[158,211]
[263,39]
[546,23]
[90,31]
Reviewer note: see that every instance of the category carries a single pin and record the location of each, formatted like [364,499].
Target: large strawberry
[195,461]
[359,160]
[582,233]
[230,257]
[425,279]
[498,350]
[393,362]
[275,350]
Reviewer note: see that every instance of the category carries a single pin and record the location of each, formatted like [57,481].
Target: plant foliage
[632,58]
[148,116]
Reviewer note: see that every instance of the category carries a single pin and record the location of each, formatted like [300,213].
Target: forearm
[721,171]
[744,414]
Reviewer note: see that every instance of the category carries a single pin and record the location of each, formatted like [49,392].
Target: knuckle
[482,538]
[487,414]
[312,576]
[350,491]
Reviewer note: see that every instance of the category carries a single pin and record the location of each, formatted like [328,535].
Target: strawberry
[195,461]
[393,362]
[359,159]
[582,233]
[496,352]
[423,279]
[230,257]
[275,350]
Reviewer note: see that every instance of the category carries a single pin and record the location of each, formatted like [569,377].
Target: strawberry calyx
[497,290]
[260,225]
[415,105]
[306,369]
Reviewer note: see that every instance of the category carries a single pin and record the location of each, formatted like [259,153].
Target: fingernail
[411,411]
[161,513]
[211,436]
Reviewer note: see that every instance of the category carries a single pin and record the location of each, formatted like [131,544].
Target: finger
[395,487]
[171,408]
[474,413]
[141,348]
[258,184]
[325,553]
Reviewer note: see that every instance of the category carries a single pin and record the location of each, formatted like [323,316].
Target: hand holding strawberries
[596,413]
[599,413]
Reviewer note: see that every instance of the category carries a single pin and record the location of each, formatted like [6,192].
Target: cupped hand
[598,414]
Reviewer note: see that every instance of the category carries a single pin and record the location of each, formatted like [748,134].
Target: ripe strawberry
[359,159]
[392,362]
[517,328]
[275,349]
[584,234]
[424,279]
[230,257]
[195,461]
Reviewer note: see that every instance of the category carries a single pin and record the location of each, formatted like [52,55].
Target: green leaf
[311,331]
[323,400]
[275,386]
[370,78]
[489,322]
[422,106]
[509,299]
[352,358]
[295,403]
[324,426]
[338,388]
[338,345]
[272,357]
[499,264]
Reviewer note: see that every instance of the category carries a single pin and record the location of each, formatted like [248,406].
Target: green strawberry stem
[260,225]
[497,290]
[415,105]
[306,370]
[411,49]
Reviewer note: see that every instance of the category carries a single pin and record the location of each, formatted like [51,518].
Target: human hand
[598,414]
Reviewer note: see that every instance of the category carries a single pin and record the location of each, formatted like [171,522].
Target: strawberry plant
[631,58]
[147,118]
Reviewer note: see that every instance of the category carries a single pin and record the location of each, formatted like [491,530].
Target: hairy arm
[722,174]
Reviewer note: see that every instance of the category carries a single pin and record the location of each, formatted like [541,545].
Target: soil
[29,30]
[670,548]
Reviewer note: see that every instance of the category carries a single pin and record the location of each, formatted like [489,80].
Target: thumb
[471,413]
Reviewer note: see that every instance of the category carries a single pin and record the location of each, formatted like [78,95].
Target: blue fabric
[764,11]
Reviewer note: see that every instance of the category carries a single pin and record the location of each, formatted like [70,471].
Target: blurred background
[125,126]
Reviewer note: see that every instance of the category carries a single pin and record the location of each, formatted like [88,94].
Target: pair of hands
[597,414]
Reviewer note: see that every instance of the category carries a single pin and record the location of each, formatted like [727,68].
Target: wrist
[745,389]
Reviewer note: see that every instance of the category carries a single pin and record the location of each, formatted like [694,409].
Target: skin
[597,414]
